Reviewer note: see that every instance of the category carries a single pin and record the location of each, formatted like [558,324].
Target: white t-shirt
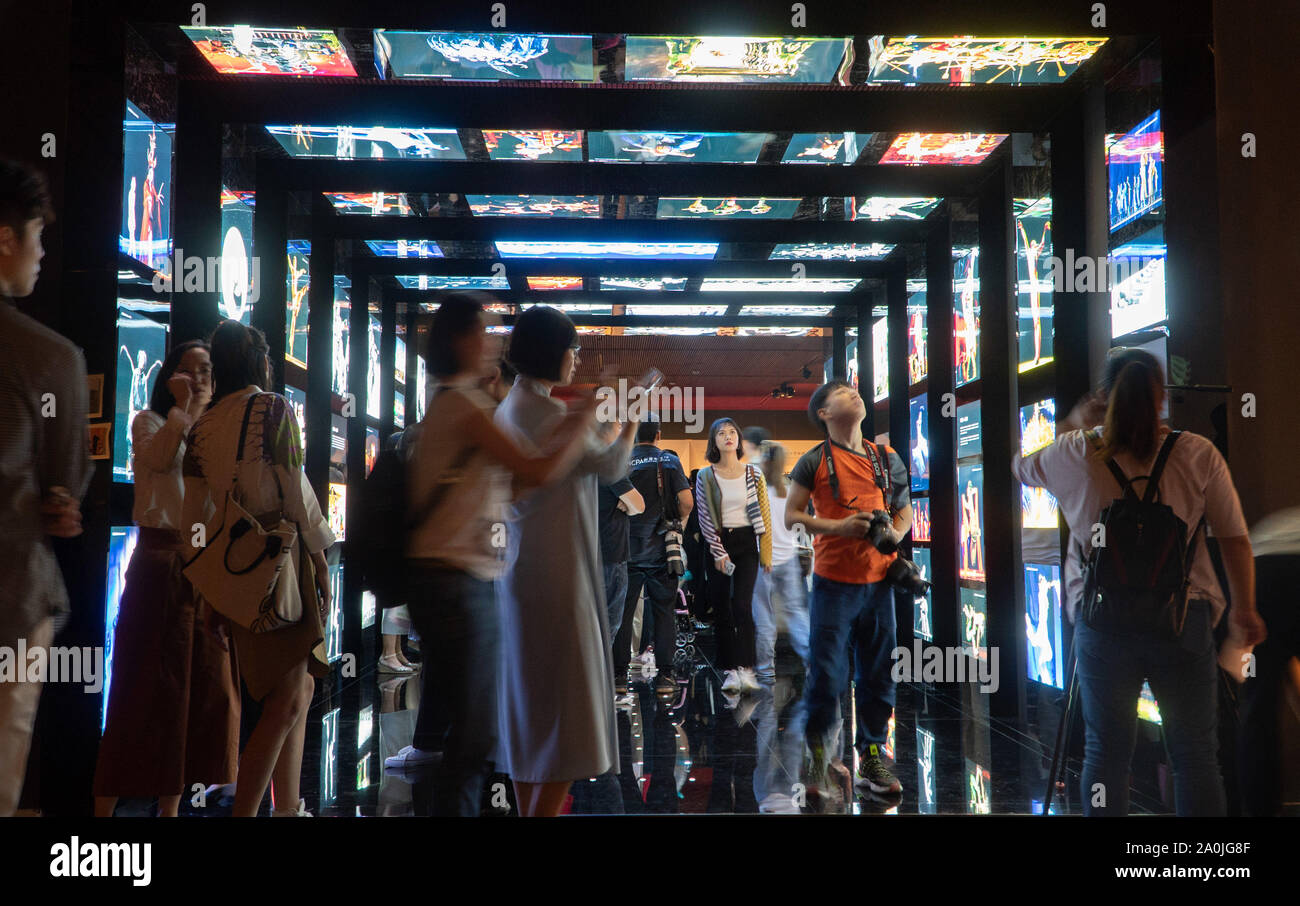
[783,543]
[1195,483]
[157,450]
[734,498]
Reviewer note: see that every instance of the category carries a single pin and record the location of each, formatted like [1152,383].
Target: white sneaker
[779,804]
[409,758]
[748,680]
[732,682]
[299,812]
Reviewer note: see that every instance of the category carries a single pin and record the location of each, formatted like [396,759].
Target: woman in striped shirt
[731,498]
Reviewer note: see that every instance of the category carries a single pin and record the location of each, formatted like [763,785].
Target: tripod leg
[1062,735]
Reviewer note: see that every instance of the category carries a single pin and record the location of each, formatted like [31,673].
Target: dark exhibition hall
[944,469]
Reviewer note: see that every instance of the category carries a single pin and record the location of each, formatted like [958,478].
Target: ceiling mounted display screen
[245,50]
[737,208]
[881,208]
[544,145]
[534,205]
[629,250]
[651,284]
[692,147]
[779,284]
[479,56]
[428,281]
[404,248]
[976,61]
[831,251]
[941,148]
[786,311]
[374,203]
[823,148]
[360,142]
[666,311]
[548,284]
[735,59]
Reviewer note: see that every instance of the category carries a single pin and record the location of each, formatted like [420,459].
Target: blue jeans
[615,594]
[1183,678]
[780,606]
[844,614]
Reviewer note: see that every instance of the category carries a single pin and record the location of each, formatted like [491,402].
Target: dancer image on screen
[846,480]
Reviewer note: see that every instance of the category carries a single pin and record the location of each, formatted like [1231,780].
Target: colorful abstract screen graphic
[542,145]
[361,142]
[977,61]
[534,205]
[941,148]
[823,148]
[734,59]
[878,207]
[728,208]
[625,250]
[690,147]
[245,50]
[831,251]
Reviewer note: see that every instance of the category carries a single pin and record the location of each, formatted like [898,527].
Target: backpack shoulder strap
[1158,469]
[1125,485]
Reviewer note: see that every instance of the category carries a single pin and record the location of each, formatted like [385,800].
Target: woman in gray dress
[557,682]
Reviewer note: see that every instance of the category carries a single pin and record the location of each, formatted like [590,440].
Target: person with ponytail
[278,668]
[1122,421]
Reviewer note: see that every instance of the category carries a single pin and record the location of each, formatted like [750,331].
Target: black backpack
[1137,582]
[380,536]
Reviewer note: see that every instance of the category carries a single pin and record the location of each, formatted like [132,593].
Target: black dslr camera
[903,574]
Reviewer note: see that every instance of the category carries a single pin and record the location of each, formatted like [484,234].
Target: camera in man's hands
[881,532]
[905,575]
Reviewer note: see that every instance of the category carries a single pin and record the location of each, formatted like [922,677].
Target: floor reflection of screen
[1043,624]
[974,621]
[121,545]
[978,783]
[142,345]
[920,431]
[1147,708]
[329,761]
[334,629]
[970,498]
[927,800]
[922,627]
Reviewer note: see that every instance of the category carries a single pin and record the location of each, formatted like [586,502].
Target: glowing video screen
[969,442]
[778,284]
[244,50]
[830,251]
[297,280]
[142,346]
[645,284]
[691,147]
[922,625]
[917,348]
[1038,508]
[970,502]
[613,250]
[1033,284]
[941,148]
[121,546]
[974,622]
[404,248]
[482,56]
[372,203]
[146,231]
[239,289]
[540,145]
[733,59]
[966,318]
[550,284]
[880,359]
[1043,624]
[1135,167]
[534,205]
[823,148]
[443,281]
[1137,298]
[920,451]
[361,142]
[877,207]
[373,335]
[976,61]
[727,208]
[921,520]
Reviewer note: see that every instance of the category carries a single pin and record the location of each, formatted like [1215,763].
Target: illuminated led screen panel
[966,317]
[554,283]
[122,540]
[976,61]
[823,147]
[691,147]
[969,431]
[970,500]
[1137,294]
[677,310]
[941,148]
[481,56]
[722,208]
[974,621]
[539,145]
[142,346]
[919,430]
[239,287]
[779,284]
[534,205]
[361,142]
[660,284]
[1033,281]
[918,358]
[614,250]
[372,203]
[1135,167]
[734,58]
[878,207]
[245,50]
[1038,508]
[921,520]
[788,311]
[1043,624]
[146,231]
[880,359]
[922,624]
[436,281]
[404,248]
[831,251]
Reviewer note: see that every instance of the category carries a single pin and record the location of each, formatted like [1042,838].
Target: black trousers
[732,598]
[1259,763]
[661,600]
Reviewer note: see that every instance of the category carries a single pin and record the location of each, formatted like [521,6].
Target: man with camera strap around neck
[860,495]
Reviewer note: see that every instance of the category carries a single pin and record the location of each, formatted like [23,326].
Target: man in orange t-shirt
[851,604]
